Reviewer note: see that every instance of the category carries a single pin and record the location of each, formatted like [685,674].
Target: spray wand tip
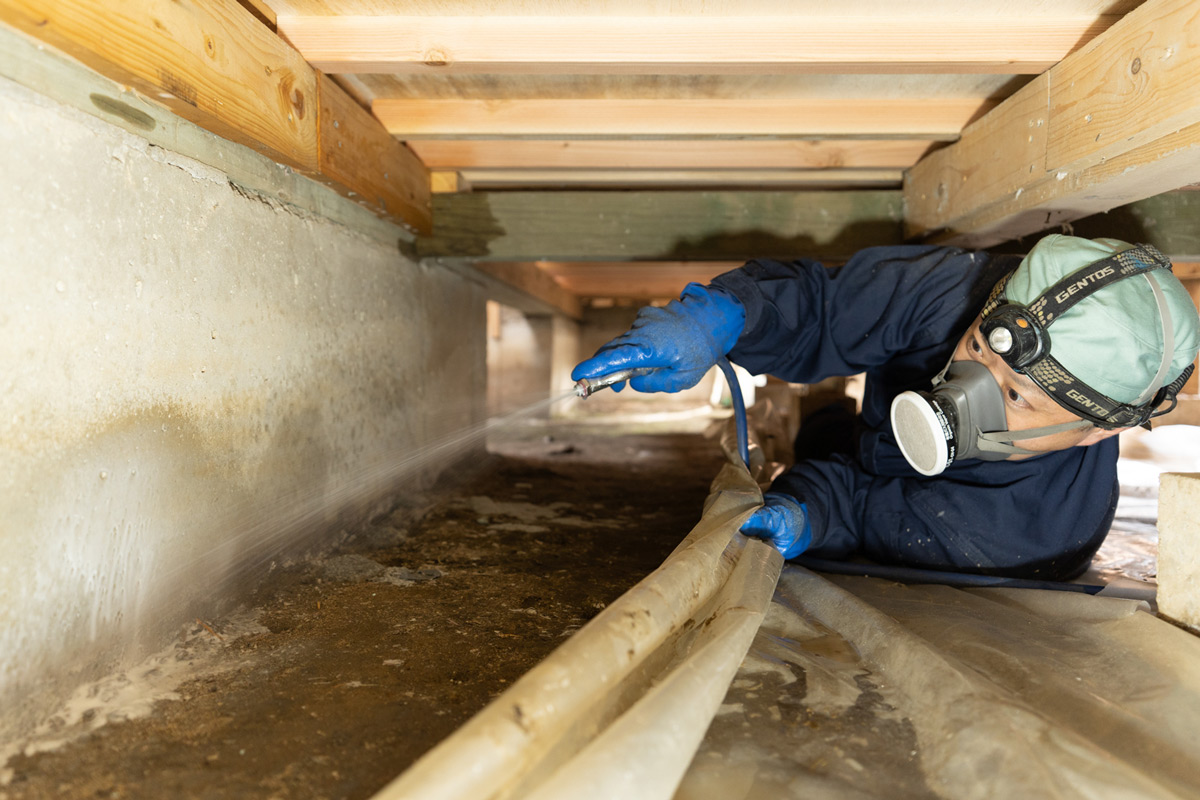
[588,386]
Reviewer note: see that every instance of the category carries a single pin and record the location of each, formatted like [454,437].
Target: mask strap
[940,378]
[1002,441]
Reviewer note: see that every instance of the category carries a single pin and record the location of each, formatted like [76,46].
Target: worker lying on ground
[994,390]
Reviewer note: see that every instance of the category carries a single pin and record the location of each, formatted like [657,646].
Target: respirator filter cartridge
[925,426]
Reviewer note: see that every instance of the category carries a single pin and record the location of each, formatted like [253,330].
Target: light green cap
[1112,340]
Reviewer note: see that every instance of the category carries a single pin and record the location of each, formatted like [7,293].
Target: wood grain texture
[876,118]
[666,155]
[360,159]
[1114,123]
[687,43]
[211,62]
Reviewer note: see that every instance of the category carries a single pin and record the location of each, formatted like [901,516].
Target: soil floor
[342,671]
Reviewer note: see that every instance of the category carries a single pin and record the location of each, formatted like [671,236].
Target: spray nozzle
[587,386]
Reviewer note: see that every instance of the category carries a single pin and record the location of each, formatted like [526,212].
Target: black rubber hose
[962,580]
[739,409]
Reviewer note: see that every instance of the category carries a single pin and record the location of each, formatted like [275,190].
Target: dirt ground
[343,671]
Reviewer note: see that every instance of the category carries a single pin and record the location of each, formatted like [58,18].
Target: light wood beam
[528,279]
[214,64]
[357,157]
[635,281]
[780,178]
[686,44]
[660,225]
[448,181]
[1116,122]
[458,154]
[872,118]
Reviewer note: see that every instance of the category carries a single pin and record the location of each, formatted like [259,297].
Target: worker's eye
[1013,397]
[975,345]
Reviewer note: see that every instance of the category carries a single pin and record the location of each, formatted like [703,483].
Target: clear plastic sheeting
[857,687]
[619,709]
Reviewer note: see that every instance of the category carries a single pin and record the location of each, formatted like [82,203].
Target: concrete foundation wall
[196,379]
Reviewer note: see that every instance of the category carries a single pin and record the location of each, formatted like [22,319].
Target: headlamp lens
[1000,340]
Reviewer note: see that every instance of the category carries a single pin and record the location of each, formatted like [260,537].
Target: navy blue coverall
[897,313]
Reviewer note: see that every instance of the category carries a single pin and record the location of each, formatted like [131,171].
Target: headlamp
[1019,335]
[1015,335]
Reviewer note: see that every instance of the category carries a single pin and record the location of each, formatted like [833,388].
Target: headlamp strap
[1176,386]
[1085,401]
[1090,279]
[1170,393]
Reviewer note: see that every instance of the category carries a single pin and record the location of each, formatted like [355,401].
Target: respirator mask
[963,415]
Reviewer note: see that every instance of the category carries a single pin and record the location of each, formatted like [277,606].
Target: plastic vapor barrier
[619,708]
[858,687]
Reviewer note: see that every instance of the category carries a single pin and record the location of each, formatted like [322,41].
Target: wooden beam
[873,118]
[687,44]
[634,281]
[484,179]
[1116,122]
[1060,198]
[358,158]
[459,154]
[529,280]
[443,182]
[665,226]
[214,64]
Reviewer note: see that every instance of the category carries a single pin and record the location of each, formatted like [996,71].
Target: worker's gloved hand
[681,341]
[781,521]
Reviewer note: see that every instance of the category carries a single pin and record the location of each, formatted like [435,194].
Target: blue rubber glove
[681,341]
[783,522]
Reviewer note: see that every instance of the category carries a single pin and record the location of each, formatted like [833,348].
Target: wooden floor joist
[876,118]
[539,285]
[215,64]
[358,157]
[461,154]
[485,179]
[631,280]
[660,226]
[1117,121]
[686,44]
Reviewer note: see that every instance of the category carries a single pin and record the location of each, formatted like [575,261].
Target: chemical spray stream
[309,514]
[586,387]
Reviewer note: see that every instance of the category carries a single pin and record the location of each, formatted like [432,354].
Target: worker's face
[1025,404]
